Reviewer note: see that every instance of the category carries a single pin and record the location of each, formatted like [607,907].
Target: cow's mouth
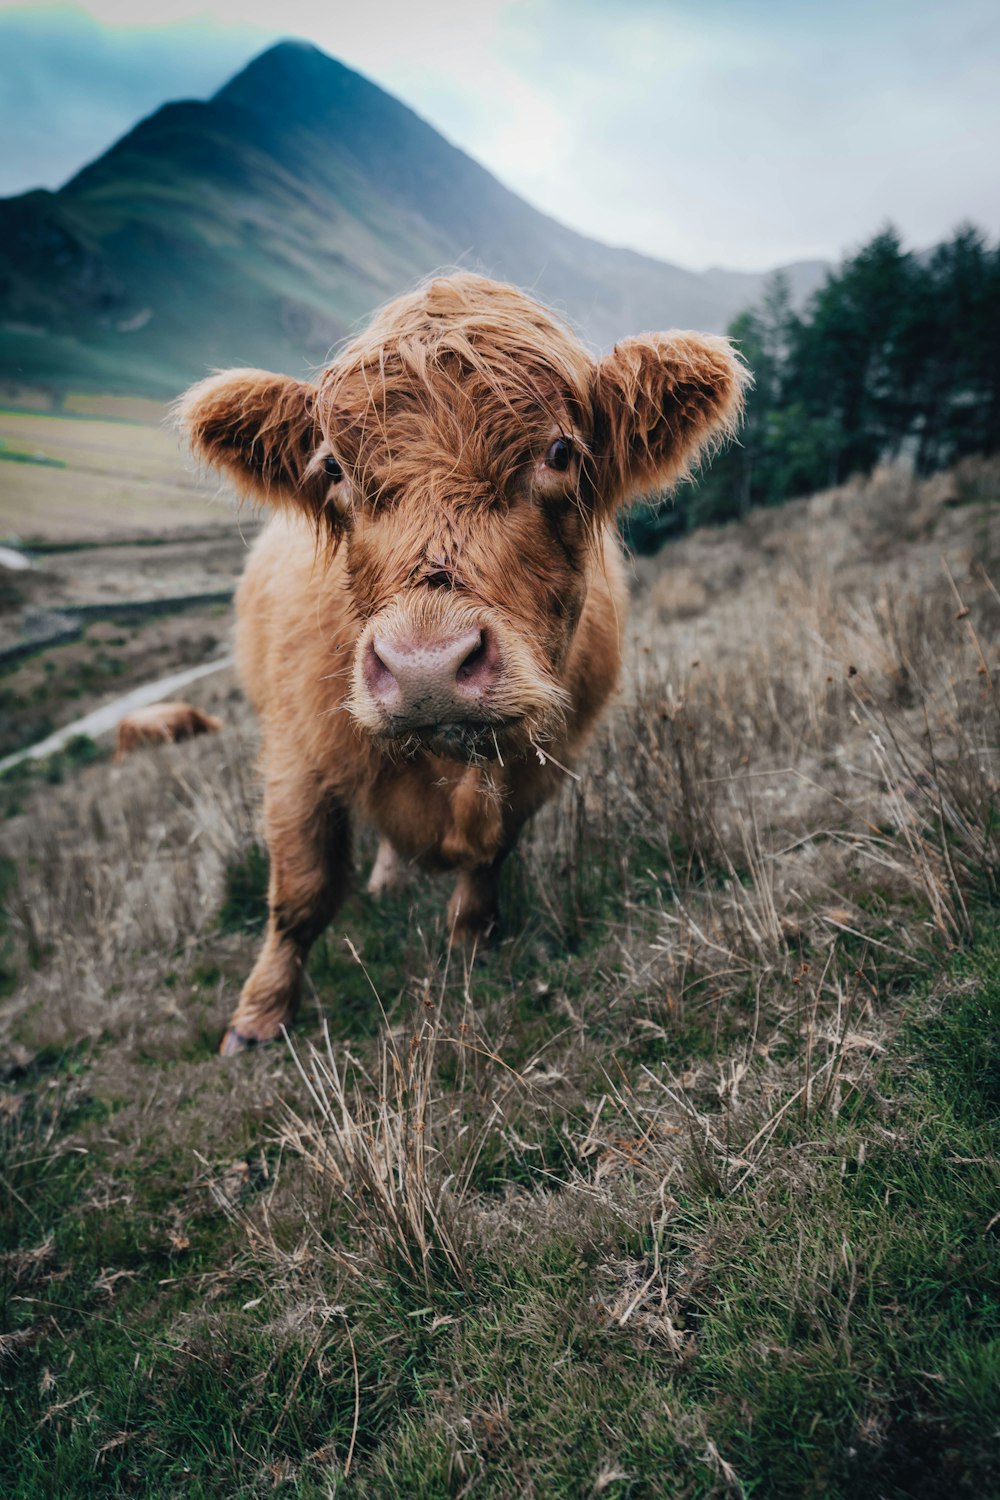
[468,740]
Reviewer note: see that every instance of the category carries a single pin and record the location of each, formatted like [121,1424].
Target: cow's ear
[262,432]
[660,401]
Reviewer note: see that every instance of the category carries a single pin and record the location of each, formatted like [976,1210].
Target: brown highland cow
[431,623]
[162,724]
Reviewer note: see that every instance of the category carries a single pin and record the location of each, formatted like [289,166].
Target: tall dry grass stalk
[397,1146]
[376,1138]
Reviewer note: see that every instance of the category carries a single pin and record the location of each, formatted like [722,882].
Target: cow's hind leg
[386,874]
[309,843]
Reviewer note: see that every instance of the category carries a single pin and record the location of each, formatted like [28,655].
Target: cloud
[746,135]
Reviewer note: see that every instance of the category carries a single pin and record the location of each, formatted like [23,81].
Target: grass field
[688,1187]
[97,476]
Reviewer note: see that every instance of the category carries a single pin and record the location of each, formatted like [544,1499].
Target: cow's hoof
[235,1041]
[474,935]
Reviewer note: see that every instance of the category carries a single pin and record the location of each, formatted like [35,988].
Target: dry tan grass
[826,730]
[819,795]
[377,1142]
[120,869]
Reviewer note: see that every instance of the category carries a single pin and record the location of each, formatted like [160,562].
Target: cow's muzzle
[439,687]
[456,681]
[441,679]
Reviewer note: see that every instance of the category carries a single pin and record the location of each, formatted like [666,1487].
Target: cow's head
[466,451]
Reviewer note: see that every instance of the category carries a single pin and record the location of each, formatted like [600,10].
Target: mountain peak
[260,226]
[289,53]
[294,46]
[291,74]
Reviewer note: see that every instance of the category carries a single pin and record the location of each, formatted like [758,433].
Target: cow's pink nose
[428,680]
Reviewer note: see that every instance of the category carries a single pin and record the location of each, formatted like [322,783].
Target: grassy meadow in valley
[686,1186]
[133,559]
[78,475]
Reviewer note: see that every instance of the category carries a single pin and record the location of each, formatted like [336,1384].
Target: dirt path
[104,719]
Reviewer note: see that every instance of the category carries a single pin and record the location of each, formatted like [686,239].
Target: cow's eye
[559,456]
[332,468]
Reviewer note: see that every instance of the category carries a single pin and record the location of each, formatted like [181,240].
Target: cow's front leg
[475,903]
[309,842]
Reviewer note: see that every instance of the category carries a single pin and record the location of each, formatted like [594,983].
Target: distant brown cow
[431,624]
[162,723]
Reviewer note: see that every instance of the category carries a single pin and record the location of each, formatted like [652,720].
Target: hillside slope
[257,227]
[684,1189]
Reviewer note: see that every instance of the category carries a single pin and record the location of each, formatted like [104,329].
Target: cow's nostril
[477,667]
[379,677]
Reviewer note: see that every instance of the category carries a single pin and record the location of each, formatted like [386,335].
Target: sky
[703,132]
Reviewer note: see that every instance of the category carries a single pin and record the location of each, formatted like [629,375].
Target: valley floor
[687,1187]
[132,566]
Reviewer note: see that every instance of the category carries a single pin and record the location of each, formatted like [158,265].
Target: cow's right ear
[262,431]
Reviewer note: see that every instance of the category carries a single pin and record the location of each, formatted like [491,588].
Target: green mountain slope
[259,226]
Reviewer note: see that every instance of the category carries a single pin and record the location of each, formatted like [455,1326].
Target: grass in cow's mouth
[687,1188]
[472,742]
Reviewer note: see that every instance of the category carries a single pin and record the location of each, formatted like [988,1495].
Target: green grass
[836,1327]
[244,904]
[856,1321]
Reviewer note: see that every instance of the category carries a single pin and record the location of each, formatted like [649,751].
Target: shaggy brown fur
[422,461]
[162,724]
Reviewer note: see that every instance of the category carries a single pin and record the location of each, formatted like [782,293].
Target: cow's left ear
[660,401]
[263,432]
